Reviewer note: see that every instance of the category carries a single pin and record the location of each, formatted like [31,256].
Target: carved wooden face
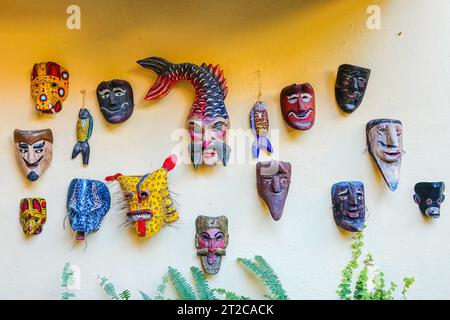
[298,106]
[349,207]
[115,99]
[33,215]
[351,84]
[34,151]
[429,196]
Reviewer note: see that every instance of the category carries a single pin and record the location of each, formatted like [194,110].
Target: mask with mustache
[221,151]
[34,151]
[351,84]
[349,207]
[298,106]
[385,144]
[115,99]
[273,179]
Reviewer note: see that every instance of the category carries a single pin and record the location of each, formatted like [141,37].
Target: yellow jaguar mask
[49,86]
[150,204]
[33,214]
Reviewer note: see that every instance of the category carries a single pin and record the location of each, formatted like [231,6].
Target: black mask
[429,196]
[351,86]
[349,207]
[115,99]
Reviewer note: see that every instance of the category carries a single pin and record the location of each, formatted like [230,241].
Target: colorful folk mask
[33,215]
[429,196]
[298,106]
[349,207]
[211,241]
[85,125]
[49,86]
[351,84]
[385,143]
[273,179]
[150,204]
[34,151]
[88,201]
[259,122]
[208,118]
[115,99]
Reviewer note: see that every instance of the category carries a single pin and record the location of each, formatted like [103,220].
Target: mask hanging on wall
[115,99]
[351,84]
[34,151]
[150,204]
[32,215]
[49,86]
[385,144]
[208,118]
[349,207]
[298,106]
[429,196]
[273,179]
[259,122]
[211,241]
[88,201]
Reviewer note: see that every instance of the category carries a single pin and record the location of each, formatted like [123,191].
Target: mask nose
[212,246]
[392,138]
[276,186]
[355,84]
[112,98]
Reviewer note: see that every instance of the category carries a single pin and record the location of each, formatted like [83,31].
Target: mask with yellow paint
[49,86]
[33,215]
[150,205]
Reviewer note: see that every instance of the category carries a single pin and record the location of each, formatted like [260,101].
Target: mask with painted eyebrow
[348,202]
[350,88]
[116,101]
[298,106]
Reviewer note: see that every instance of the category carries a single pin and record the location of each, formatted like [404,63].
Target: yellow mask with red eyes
[49,86]
[150,204]
[33,215]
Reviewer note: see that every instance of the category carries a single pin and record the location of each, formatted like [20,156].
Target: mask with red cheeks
[298,106]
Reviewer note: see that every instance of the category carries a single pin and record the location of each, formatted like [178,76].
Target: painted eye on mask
[218,126]
[306,97]
[129,195]
[105,94]
[144,194]
[429,202]
[292,99]
[119,92]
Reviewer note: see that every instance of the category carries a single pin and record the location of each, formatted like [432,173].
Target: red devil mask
[298,106]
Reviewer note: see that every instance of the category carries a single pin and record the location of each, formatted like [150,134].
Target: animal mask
[115,99]
[49,86]
[34,151]
[208,118]
[88,201]
[273,179]
[349,207]
[298,106]
[33,215]
[385,143]
[429,196]
[351,84]
[150,204]
[211,240]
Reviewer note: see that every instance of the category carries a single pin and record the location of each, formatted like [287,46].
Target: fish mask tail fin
[268,145]
[256,148]
[164,83]
[261,142]
[85,151]
[76,150]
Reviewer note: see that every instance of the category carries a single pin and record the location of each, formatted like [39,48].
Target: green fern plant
[361,290]
[67,279]
[110,290]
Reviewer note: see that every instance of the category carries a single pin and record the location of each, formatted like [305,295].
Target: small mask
[115,99]
[33,215]
[351,84]
[85,125]
[385,143]
[88,201]
[273,179]
[298,106]
[49,86]
[259,122]
[349,207]
[211,241]
[429,196]
[34,151]
[150,204]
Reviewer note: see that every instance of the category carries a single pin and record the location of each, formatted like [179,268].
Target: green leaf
[229,295]
[201,284]
[182,287]
[145,296]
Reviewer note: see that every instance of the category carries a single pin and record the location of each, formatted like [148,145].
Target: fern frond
[109,288]
[66,276]
[201,285]
[162,288]
[125,295]
[67,295]
[145,296]
[271,279]
[182,287]
[229,295]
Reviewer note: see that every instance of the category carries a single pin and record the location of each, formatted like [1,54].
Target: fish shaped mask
[349,207]
[34,151]
[273,179]
[33,215]
[298,106]
[115,99]
[85,125]
[259,122]
[385,144]
[211,241]
[88,201]
[49,86]
[208,119]
[351,84]
[429,196]
[150,204]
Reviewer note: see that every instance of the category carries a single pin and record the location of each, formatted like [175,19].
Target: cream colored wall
[288,41]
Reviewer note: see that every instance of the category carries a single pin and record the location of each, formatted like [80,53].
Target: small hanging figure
[259,122]
[85,125]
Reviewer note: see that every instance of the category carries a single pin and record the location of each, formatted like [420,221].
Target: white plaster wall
[288,41]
